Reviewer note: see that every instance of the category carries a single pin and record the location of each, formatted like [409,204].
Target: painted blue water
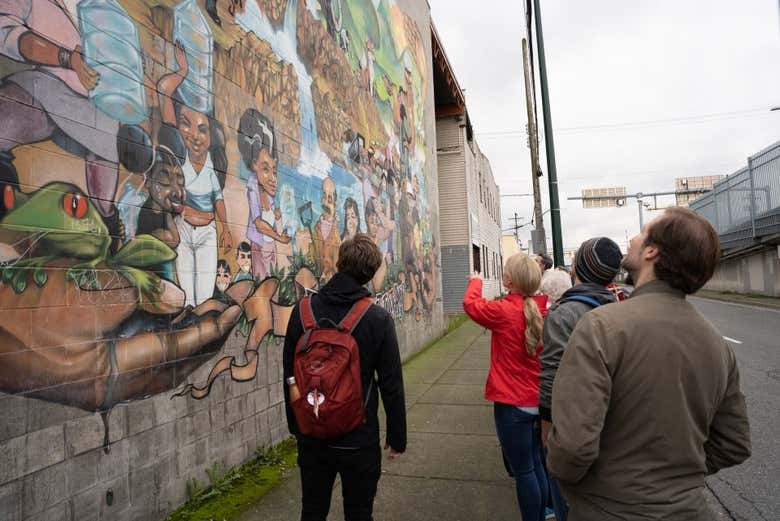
[284,42]
[302,183]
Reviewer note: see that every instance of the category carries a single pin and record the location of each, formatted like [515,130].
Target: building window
[475,256]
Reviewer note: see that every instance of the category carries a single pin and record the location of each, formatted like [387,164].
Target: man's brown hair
[689,249]
[359,258]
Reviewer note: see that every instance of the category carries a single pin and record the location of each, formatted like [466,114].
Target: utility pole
[517,227]
[533,143]
[639,203]
[552,173]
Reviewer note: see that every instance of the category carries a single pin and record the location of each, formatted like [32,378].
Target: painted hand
[87,75]
[181,59]
[226,240]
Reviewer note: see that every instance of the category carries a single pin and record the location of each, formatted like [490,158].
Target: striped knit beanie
[598,261]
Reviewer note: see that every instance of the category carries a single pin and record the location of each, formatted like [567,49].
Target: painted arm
[226,238]
[36,49]
[266,229]
[84,375]
[168,84]
[170,234]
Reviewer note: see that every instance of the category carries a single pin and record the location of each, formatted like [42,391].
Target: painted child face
[223,279]
[194,128]
[352,220]
[265,169]
[371,224]
[244,261]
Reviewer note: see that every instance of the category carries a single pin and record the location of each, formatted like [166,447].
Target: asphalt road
[751,491]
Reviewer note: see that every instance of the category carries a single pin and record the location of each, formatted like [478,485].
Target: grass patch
[455,321]
[230,492]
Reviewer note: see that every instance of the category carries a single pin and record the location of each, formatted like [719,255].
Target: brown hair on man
[359,258]
[688,249]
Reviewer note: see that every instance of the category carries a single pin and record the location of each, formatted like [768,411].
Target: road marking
[739,305]
[733,341]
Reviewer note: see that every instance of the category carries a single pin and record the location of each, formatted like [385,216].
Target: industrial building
[469,200]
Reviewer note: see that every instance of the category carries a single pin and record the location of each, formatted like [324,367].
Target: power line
[670,171]
[681,172]
[631,125]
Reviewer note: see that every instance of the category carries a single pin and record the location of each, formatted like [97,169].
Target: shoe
[549,513]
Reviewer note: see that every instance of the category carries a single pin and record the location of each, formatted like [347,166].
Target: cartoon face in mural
[327,99]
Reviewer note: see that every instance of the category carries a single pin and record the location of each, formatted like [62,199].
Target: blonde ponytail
[524,278]
[533,325]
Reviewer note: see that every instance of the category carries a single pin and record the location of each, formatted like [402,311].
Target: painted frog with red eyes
[58,221]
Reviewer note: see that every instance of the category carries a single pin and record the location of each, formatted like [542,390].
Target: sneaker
[549,513]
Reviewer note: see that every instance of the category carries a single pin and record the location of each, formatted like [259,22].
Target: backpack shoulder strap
[355,314]
[307,315]
[584,299]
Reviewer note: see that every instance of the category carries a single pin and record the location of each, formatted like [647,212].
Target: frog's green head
[68,222]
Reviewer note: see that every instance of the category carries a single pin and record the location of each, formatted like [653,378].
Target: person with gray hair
[554,284]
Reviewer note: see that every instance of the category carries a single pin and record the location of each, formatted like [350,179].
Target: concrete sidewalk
[452,468]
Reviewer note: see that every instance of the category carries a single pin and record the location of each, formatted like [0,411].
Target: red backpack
[326,366]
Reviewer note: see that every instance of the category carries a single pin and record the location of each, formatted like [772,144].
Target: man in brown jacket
[646,401]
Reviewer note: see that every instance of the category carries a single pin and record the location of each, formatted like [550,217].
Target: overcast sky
[617,62]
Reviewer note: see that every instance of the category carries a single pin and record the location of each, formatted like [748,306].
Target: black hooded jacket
[380,364]
[558,326]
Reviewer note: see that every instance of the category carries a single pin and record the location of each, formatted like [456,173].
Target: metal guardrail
[745,206]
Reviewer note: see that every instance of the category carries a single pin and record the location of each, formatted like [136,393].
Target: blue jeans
[559,502]
[520,440]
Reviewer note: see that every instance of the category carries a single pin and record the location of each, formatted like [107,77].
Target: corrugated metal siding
[448,133]
[454,275]
[453,217]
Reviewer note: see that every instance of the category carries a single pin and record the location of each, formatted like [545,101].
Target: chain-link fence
[745,206]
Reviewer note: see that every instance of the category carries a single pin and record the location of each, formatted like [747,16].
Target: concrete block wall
[756,273]
[302,124]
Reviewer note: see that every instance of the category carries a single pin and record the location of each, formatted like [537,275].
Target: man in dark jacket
[596,264]
[356,456]
[646,400]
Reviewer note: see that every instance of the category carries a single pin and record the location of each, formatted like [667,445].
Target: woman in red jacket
[513,380]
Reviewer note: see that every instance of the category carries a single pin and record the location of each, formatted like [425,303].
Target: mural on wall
[176,172]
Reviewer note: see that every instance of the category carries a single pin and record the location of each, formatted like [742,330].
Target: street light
[774,108]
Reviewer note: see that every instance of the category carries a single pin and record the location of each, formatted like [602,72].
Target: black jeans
[359,470]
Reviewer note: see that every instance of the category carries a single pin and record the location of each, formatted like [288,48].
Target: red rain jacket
[513,378]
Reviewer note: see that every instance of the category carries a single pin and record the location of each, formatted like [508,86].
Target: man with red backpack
[340,353]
